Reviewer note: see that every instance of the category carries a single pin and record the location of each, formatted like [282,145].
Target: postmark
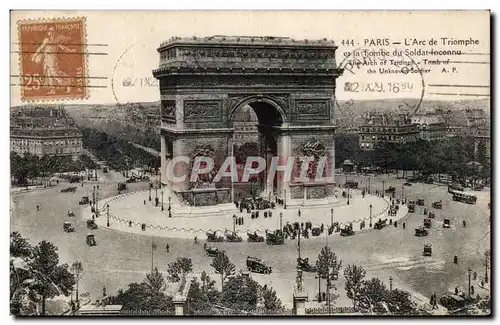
[52,58]
[380,74]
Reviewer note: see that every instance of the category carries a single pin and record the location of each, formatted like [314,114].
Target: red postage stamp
[52,59]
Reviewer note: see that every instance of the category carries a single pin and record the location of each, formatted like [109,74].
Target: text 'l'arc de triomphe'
[289,84]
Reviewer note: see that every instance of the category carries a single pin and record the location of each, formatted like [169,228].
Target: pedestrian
[144,202]
[93,216]
[404,225]
[472,290]
[130,223]
[435,305]
[395,224]
[455,259]
[475,275]
[456,290]
[37,208]
[432,301]
[299,212]
[168,248]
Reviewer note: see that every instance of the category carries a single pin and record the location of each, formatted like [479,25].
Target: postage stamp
[52,59]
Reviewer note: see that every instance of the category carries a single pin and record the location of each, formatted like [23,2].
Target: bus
[464,197]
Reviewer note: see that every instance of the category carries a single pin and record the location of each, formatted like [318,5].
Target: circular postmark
[378,79]
[132,79]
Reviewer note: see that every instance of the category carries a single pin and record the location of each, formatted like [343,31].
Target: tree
[481,153]
[354,276]
[240,293]
[202,296]
[328,267]
[77,269]
[372,294]
[19,246]
[271,300]
[178,269]
[145,296]
[223,266]
[50,278]
[399,302]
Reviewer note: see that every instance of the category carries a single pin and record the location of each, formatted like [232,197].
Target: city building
[386,127]
[431,127]
[44,131]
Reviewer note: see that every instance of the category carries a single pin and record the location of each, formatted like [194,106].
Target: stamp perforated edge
[59,98]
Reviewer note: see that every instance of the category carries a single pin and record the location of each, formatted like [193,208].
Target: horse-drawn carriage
[421,232]
[346,231]
[275,238]
[212,237]
[121,187]
[411,206]
[255,264]
[437,204]
[303,264]
[432,215]
[71,213]
[232,237]
[254,238]
[421,202]
[427,223]
[210,251]
[446,223]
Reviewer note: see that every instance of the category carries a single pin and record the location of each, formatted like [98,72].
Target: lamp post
[402,192]
[469,273]
[348,187]
[371,215]
[97,201]
[93,196]
[390,283]
[281,220]
[156,193]
[234,223]
[150,186]
[161,200]
[107,214]
[319,287]
[331,217]
[170,207]
[383,189]
[369,186]
[284,202]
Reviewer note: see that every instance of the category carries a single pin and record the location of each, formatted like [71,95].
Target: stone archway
[289,84]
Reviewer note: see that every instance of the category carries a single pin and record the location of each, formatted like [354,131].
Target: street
[121,258]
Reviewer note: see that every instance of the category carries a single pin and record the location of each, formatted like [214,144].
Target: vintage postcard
[251,163]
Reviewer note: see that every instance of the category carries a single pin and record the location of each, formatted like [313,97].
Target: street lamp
[284,202]
[469,272]
[371,215]
[162,200]
[383,188]
[331,217]
[281,220]
[234,223]
[348,187]
[107,214]
[390,283]
[319,287]
[170,207]
[369,186]
[150,186]
[402,192]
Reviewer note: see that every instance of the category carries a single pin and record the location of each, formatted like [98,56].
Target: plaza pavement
[131,207]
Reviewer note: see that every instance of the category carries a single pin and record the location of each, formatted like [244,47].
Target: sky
[132,37]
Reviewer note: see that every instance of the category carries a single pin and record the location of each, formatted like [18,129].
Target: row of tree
[118,153]
[31,166]
[36,275]
[450,156]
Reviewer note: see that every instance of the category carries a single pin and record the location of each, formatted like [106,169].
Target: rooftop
[246,40]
